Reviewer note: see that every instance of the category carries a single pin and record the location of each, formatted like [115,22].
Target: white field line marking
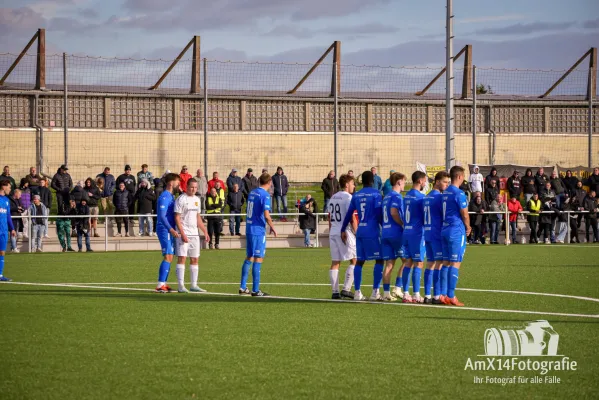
[595,316]
[327,284]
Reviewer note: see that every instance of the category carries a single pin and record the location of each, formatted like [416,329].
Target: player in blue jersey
[6,226]
[166,229]
[369,204]
[258,216]
[433,223]
[392,232]
[456,227]
[413,238]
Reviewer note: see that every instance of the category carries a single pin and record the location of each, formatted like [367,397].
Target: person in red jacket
[212,182]
[514,207]
[185,176]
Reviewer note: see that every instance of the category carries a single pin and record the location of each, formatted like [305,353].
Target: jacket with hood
[145,175]
[307,219]
[570,183]
[62,182]
[145,197]
[78,194]
[476,180]
[513,186]
[540,181]
[33,212]
[249,183]
[122,200]
[547,218]
[329,187]
[185,177]
[109,184]
[580,195]
[492,177]
[212,183]
[96,194]
[514,207]
[46,196]
[232,180]
[528,183]
[280,183]
[491,194]
[235,201]
[128,180]
[593,182]
[82,224]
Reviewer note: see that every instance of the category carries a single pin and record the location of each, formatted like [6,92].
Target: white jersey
[188,207]
[476,182]
[338,206]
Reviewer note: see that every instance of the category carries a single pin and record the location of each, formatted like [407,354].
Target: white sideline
[319,300]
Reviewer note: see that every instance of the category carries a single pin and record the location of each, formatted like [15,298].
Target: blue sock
[165,268]
[443,280]
[405,277]
[398,281]
[386,287]
[416,275]
[1,265]
[437,282]
[245,272]
[357,277]
[428,281]
[377,276]
[453,281]
[256,276]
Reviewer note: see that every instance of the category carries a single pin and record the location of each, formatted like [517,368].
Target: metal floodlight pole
[474,114]
[449,135]
[65,114]
[205,118]
[335,115]
[590,122]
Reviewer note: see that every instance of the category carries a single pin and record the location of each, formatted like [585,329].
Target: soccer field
[89,326]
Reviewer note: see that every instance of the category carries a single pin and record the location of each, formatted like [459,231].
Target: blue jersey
[369,204]
[5,219]
[166,211]
[390,227]
[258,202]
[454,200]
[414,212]
[433,215]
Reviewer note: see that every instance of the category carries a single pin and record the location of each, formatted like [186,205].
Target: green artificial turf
[89,343]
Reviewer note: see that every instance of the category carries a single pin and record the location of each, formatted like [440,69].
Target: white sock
[334,278]
[349,278]
[375,291]
[437,297]
[428,296]
[160,284]
[181,275]
[387,293]
[194,270]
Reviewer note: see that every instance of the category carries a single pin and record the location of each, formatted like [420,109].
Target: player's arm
[11,227]
[346,220]
[201,225]
[180,227]
[396,216]
[463,205]
[269,222]
[354,223]
[162,209]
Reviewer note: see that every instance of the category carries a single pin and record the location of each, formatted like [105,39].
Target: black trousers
[590,223]
[214,228]
[533,231]
[120,220]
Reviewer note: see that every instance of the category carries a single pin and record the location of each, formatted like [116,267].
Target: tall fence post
[590,119]
[206,118]
[568,233]
[335,116]
[507,226]
[449,118]
[65,114]
[474,114]
[29,230]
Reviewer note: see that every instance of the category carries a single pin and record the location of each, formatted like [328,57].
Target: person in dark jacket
[513,185]
[16,210]
[570,182]
[593,180]
[83,227]
[534,206]
[78,193]
[235,201]
[250,182]
[93,197]
[45,193]
[547,220]
[547,193]
[63,225]
[492,177]
[528,185]
[34,178]
[233,179]
[62,185]
[579,196]
[540,180]
[558,187]
[329,186]
[465,187]
[214,208]
[307,221]
[122,200]
[491,191]
[570,206]
[591,205]
[281,186]
[477,206]
[107,190]
[130,184]
[6,176]
[145,198]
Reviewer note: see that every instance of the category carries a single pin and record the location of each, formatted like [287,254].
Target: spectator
[593,181]
[513,185]
[350,173]
[145,174]
[108,189]
[39,216]
[546,220]
[570,206]
[158,189]
[83,226]
[271,189]
[491,191]
[307,220]
[540,180]
[6,175]
[34,180]
[46,199]
[25,201]
[570,182]
[63,225]
[465,187]
[15,211]
[547,193]
[558,187]
[78,193]
[122,201]
[233,179]
[378,182]
[62,185]
[281,186]
[528,185]
[215,178]
[492,177]
[214,206]
[514,207]
[591,205]
[534,207]
[235,201]
[220,191]
[562,219]
[185,176]
[93,196]
[476,180]
[145,197]
[386,186]
[329,186]
[579,196]
[478,207]
[494,219]
[202,187]
[250,182]
[130,185]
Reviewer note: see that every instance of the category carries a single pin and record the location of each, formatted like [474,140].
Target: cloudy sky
[549,34]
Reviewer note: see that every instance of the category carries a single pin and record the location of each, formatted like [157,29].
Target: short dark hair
[367,178]
[4,182]
[171,177]
[417,175]
[456,171]
[192,180]
[265,178]
[396,177]
[344,180]
[441,175]
[144,165]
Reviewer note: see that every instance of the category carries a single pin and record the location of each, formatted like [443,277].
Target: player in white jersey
[337,209]
[187,218]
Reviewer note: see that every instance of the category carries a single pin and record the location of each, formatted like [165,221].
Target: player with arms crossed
[165,230]
[369,204]
[258,215]
[456,226]
[392,233]
[413,238]
[338,206]
[188,221]
[433,223]
[6,225]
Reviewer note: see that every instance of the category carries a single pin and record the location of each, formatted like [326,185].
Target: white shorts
[189,249]
[341,251]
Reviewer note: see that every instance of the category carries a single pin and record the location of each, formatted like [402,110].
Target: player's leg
[361,256]
[247,263]
[389,258]
[416,276]
[334,279]
[3,244]
[349,278]
[429,272]
[459,248]
[377,276]
[181,258]
[168,250]
[259,253]
[443,271]
[194,254]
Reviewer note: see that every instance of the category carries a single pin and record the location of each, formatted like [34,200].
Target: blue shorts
[414,247]
[392,248]
[167,242]
[3,241]
[255,245]
[368,249]
[454,246]
[434,250]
